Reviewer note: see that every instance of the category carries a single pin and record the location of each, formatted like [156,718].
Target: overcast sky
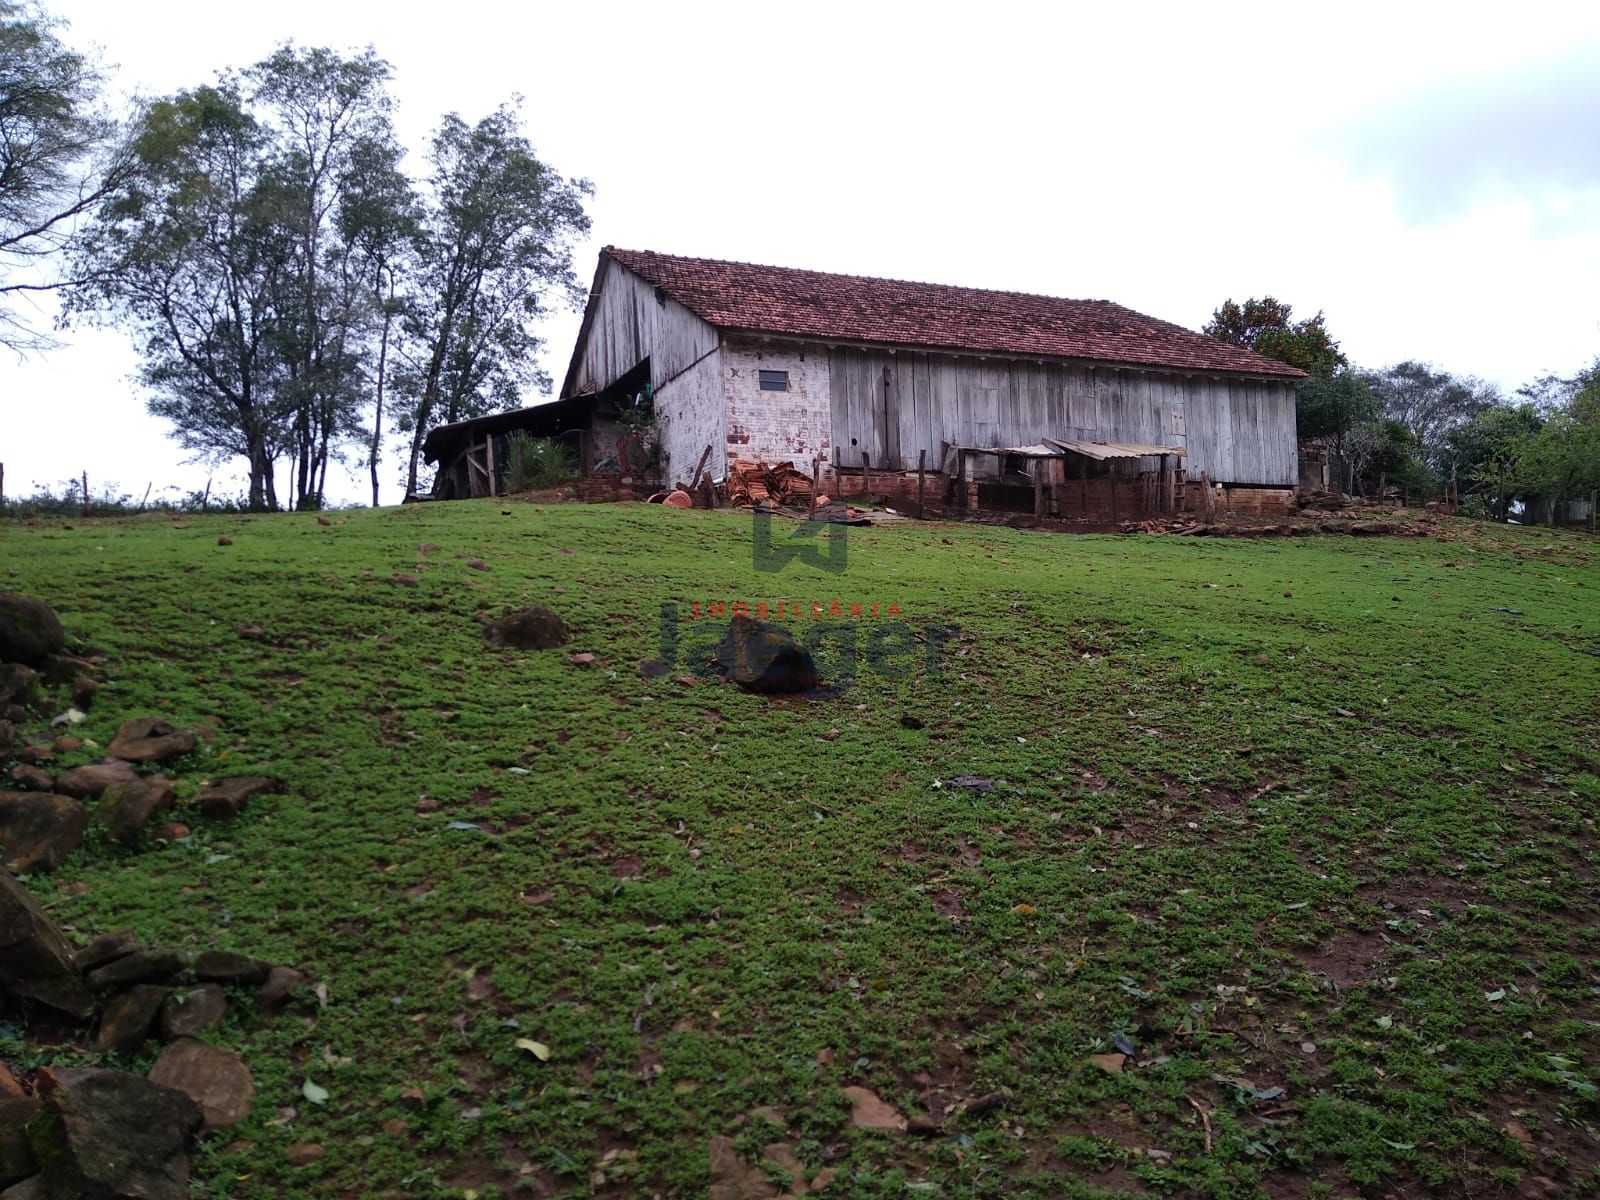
[1428,175]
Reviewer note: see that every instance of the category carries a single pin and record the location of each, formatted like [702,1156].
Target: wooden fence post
[866,478]
[86,493]
[816,477]
[922,463]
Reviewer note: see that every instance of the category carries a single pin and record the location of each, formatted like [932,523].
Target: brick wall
[774,427]
[597,489]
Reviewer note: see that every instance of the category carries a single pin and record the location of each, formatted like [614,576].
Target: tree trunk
[377,413]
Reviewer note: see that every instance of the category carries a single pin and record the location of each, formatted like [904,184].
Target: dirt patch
[1348,959]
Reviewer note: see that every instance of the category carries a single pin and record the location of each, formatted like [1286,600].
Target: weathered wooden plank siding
[632,323]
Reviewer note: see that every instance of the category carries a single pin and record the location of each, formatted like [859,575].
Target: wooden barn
[1015,401]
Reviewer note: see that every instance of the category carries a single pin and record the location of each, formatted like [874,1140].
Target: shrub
[537,463]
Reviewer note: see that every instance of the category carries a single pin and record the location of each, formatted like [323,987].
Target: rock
[867,1111]
[142,966]
[35,779]
[224,966]
[535,628]
[149,740]
[126,807]
[10,1085]
[113,1135]
[678,499]
[30,631]
[19,685]
[170,831]
[214,1078]
[404,580]
[67,744]
[8,737]
[106,948]
[928,1127]
[1369,528]
[87,782]
[764,658]
[411,1098]
[397,1127]
[36,754]
[1111,1064]
[35,960]
[734,1179]
[16,1155]
[84,689]
[225,798]
[581,659]
[276,991]
[29,1189]
[193,1012]
[250,631]
[224,540]
[39,830]
[301,1154]
[127,1017]
[910,722]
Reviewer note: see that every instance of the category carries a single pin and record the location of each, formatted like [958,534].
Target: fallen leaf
[1495,996]
[538,1049]
[1111,1064]
[314,1092]
[1023,910]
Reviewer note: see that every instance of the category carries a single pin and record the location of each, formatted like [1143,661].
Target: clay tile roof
[855,308]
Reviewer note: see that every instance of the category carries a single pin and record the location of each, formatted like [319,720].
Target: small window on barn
[774,381]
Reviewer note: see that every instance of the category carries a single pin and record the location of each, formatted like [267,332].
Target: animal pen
[1069,480]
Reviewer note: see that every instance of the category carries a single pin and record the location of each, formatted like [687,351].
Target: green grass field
[1306,824]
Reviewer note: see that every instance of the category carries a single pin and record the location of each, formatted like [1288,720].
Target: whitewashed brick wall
[792,426]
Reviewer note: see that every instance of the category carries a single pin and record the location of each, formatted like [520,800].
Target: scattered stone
[114,1134]
[928,1127]
[214,1078]
[85,783]
[29,1189]
[397,1127]
[1111,1064]
[16,1154]
[36,754]
[782,1156]
[764,658]
[71,716]
[10,1085]
[170,831]
[38,830]
[149,740]
[35,960]
[534,628]
[142,966]
[867,1111]
[324,521]
[84,689]
[35,779]
[249,631]
[910,722]
[734,1179]
[988,1103]
[8,737]
[30,631]
[125,808]
[67,744]
[973,783]
[225,798]
[581,659]
[127,1018]
[276,991]
[301,1154]
[404,580]
[821,1180]
[411,1098]
[19,685]
[224,540]
[192,1012]
[106,948]
[652,668]
[225,966]
[1369,528]
[477,564]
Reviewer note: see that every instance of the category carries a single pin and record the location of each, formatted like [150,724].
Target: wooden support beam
[922,462]
[488,454]
[866,478]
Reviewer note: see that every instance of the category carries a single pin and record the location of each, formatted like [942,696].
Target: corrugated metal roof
[1100,451]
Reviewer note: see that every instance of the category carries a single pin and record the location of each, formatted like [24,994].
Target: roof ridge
[929,283]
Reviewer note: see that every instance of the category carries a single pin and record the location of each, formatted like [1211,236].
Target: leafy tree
[329,118]
[1332,408]
[1488,452]
[1430,403]
[495,249]
[1267,326]
[186,254]
[60,156]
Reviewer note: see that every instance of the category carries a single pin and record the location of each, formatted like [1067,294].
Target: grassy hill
[1305,825]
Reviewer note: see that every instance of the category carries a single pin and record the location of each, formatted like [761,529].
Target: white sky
[1429,175]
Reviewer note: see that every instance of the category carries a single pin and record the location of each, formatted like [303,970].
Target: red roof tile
[854,308]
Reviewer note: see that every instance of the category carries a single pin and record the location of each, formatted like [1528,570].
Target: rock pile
[103,1132]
